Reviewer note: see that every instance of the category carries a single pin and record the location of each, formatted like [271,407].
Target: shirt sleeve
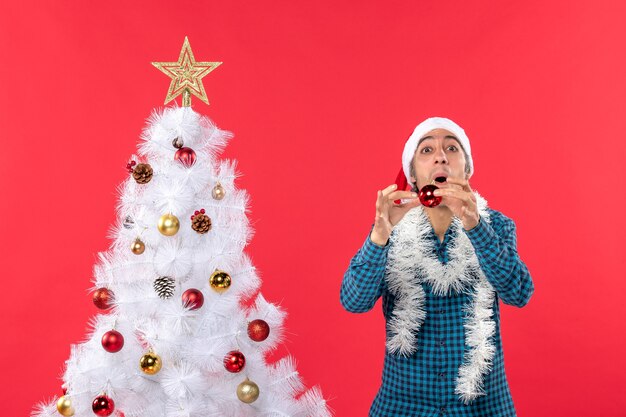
[495,245]
[364,280]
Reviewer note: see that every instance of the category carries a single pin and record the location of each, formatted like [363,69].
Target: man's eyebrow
[445,137]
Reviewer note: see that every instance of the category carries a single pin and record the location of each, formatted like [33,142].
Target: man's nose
[440,157]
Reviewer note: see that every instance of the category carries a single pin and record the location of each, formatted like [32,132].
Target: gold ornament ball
[220,281]
[64,406]
[248,391]
[138,247]
[150,363]
[168,224]
[218,192]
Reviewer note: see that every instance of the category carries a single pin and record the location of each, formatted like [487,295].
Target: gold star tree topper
[186,75]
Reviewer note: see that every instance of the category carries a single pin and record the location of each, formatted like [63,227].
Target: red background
[321,97]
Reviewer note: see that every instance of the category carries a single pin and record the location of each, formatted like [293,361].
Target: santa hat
[404,176]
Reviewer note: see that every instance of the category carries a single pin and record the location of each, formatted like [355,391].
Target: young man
[440,272]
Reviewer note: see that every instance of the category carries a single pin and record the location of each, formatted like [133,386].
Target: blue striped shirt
[423,384]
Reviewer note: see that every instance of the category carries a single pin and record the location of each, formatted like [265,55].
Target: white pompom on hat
[426,126]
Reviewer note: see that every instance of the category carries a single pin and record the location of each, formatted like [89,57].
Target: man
[440,272]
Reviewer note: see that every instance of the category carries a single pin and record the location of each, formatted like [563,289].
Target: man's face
[439,154]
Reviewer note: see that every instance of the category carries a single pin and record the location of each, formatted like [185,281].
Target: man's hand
[388,214]
[460,198]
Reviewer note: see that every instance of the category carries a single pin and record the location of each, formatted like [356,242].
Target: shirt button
[442,375]
[442,311]
[442,410]
[442,343]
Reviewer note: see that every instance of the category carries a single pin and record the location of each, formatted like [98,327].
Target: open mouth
[440,179]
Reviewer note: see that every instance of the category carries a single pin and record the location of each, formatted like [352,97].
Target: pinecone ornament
[164,287]
[200,222]
[142,173]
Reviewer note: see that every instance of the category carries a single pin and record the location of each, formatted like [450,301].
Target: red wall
[321,98]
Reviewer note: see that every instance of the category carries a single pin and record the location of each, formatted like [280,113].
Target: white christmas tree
[184,330]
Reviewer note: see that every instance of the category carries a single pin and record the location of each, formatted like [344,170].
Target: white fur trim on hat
[426,126]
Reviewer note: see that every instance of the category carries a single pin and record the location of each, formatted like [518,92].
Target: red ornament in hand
[427,197]
[185,156]
[234,361]
[193,299]
[112,341]
[258,330]
[103,406]
[103,298]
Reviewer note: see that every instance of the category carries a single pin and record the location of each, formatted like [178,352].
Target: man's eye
[452,147]
[425,149]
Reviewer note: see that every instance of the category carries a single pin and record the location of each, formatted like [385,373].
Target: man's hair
[412,167]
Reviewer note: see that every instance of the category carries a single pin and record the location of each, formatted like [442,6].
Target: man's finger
[411,204]
[389,189]
[460,181]
[380,201]
[449,192]
[396,195]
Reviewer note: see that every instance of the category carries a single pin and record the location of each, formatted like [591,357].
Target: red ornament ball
[258,330]
[103,406]
[234,361]
[112,341]
[185,156]
[193,299]
[103,298]
[427,197]
[130,166]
